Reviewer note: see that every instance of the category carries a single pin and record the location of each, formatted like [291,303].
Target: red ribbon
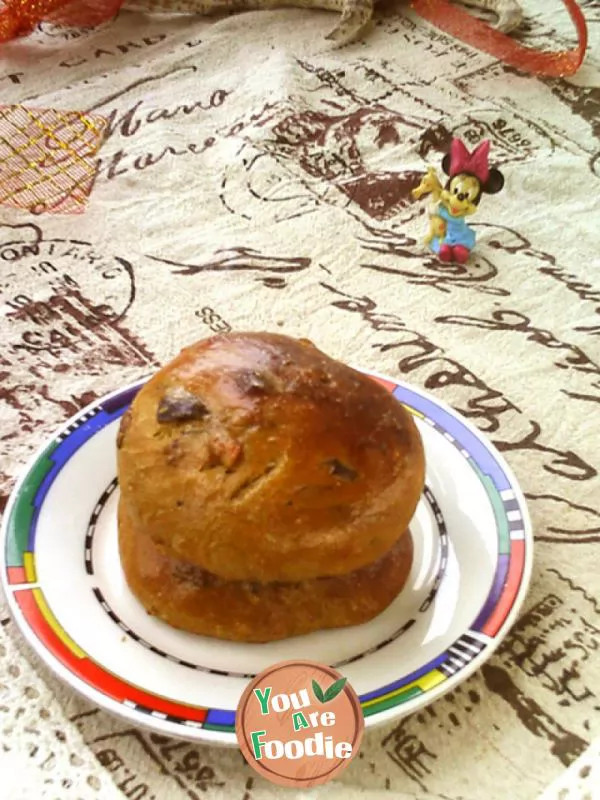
[19,17]
[479,34]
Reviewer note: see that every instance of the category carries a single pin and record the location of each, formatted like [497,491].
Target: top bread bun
[257,457]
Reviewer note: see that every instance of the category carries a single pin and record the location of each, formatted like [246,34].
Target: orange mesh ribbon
[47,158]
[478,34]
[20,17]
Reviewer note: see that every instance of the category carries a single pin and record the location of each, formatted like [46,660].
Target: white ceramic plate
[61,573]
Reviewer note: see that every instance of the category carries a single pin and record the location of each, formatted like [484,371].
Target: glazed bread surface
[256,457]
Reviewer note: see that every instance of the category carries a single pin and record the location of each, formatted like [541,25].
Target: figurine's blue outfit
[457,232]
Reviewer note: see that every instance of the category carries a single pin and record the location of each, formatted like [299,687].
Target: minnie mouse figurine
[469,176]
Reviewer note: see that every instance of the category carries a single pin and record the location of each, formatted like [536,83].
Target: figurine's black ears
[446,163]
[494,183]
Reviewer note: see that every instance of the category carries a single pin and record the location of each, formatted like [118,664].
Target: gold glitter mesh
[47,159]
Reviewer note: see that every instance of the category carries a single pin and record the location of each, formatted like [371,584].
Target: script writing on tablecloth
[47,158]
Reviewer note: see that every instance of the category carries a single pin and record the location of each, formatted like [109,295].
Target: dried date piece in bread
[257,457]
[191,599]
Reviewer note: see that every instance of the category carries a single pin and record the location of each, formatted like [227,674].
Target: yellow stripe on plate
[425,683]
[29,567]
[413,411]
[52,621]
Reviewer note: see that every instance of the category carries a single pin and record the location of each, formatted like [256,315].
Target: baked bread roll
[188,598]
[256,457]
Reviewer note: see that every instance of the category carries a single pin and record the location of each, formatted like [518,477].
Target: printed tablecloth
[253,178]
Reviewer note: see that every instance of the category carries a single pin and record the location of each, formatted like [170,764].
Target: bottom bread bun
[191,599]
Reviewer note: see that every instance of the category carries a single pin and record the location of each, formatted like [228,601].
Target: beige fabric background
[279,199]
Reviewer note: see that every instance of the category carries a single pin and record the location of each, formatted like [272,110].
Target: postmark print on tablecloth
[542,674]
[58,341]
[362,130]
[282,171]
[150,766]
[565,672]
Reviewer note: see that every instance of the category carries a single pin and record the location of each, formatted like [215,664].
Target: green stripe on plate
[392,702]
[499,511]
[19,524]
[219,728]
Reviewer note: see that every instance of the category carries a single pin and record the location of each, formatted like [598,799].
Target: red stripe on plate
[94,675]
[389,385]
[511,588]
[16,575]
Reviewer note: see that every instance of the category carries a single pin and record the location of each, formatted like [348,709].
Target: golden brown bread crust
[257,457]
[193,600]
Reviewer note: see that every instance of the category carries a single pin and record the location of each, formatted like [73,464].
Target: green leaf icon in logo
[318,692]
[335,689]
[331,693]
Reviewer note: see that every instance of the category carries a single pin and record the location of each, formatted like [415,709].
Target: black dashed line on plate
[465,650]
[477,638]
[150,712]
[461,653]
[140,640]
[152,647]
[442,531]
[92,522]
[456,656]
[447,669]
[469,647]
[512,505]
[470,644]
[77,424]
